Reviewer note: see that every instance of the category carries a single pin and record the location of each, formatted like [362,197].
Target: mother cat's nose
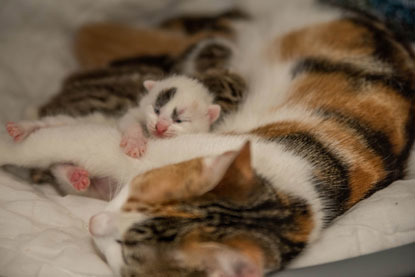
[102,224]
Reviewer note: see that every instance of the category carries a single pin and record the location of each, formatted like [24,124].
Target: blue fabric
[398,14]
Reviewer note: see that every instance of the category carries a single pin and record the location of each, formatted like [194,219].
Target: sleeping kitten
[115,89]
[173,106]
[329,120]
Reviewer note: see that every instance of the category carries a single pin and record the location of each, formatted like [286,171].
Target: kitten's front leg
[133,141]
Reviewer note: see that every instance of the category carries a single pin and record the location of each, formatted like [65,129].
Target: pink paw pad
[133,147]
[79,178]
[15,131]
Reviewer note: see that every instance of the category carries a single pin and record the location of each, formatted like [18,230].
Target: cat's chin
[103,230]
[112,252]
[163,136]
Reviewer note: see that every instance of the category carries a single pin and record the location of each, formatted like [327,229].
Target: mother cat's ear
[149,84]
[230,175]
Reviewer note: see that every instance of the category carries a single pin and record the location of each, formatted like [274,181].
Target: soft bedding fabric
[45,234]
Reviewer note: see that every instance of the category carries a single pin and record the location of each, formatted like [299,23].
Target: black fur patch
[165,96]
[355,75]
[164,62]
[333,182]
[376,140]
[174,115]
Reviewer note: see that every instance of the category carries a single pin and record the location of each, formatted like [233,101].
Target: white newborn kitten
[173,106]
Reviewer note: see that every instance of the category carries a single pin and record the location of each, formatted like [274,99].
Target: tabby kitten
[119,87]
[330,123]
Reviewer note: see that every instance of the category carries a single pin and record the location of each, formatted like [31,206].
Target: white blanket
[45,234]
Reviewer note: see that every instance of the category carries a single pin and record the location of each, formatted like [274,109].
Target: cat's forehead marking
[165,96]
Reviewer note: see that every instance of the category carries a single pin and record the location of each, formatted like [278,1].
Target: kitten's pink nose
[102,224]
[161,128]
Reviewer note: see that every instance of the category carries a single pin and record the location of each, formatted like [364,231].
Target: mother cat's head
[202,217]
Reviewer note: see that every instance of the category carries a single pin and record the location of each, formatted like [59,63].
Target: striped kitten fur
[329,119]
[115,89]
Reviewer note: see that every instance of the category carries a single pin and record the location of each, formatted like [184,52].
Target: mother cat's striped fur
[333,124]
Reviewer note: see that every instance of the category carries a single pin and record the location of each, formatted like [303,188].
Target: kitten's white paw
[16,131]
[134,146]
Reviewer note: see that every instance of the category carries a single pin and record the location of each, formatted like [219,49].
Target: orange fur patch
[248,247]
[304,225]
[98,44]
[378,106]
[238,177]
[337,40]
[365,167]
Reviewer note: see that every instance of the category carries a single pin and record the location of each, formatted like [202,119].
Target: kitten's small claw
[79,178]
[15,131]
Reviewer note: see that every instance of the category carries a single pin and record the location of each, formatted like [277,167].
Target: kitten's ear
[213,113]
[149,84]
[230,175]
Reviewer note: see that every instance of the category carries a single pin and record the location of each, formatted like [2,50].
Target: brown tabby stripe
[356,75]
[379,107]
[110,99]
[368,150]
[389,47]
[279,223]
[163,62]
[214,55]
[399,171]
[332,174]
[114,74]
[376,141]
[229,89]
[318,41]
[361,40]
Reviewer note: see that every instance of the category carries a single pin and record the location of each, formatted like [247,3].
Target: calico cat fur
[333,125]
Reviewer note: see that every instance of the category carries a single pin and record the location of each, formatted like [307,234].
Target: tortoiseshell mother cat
[329,118]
